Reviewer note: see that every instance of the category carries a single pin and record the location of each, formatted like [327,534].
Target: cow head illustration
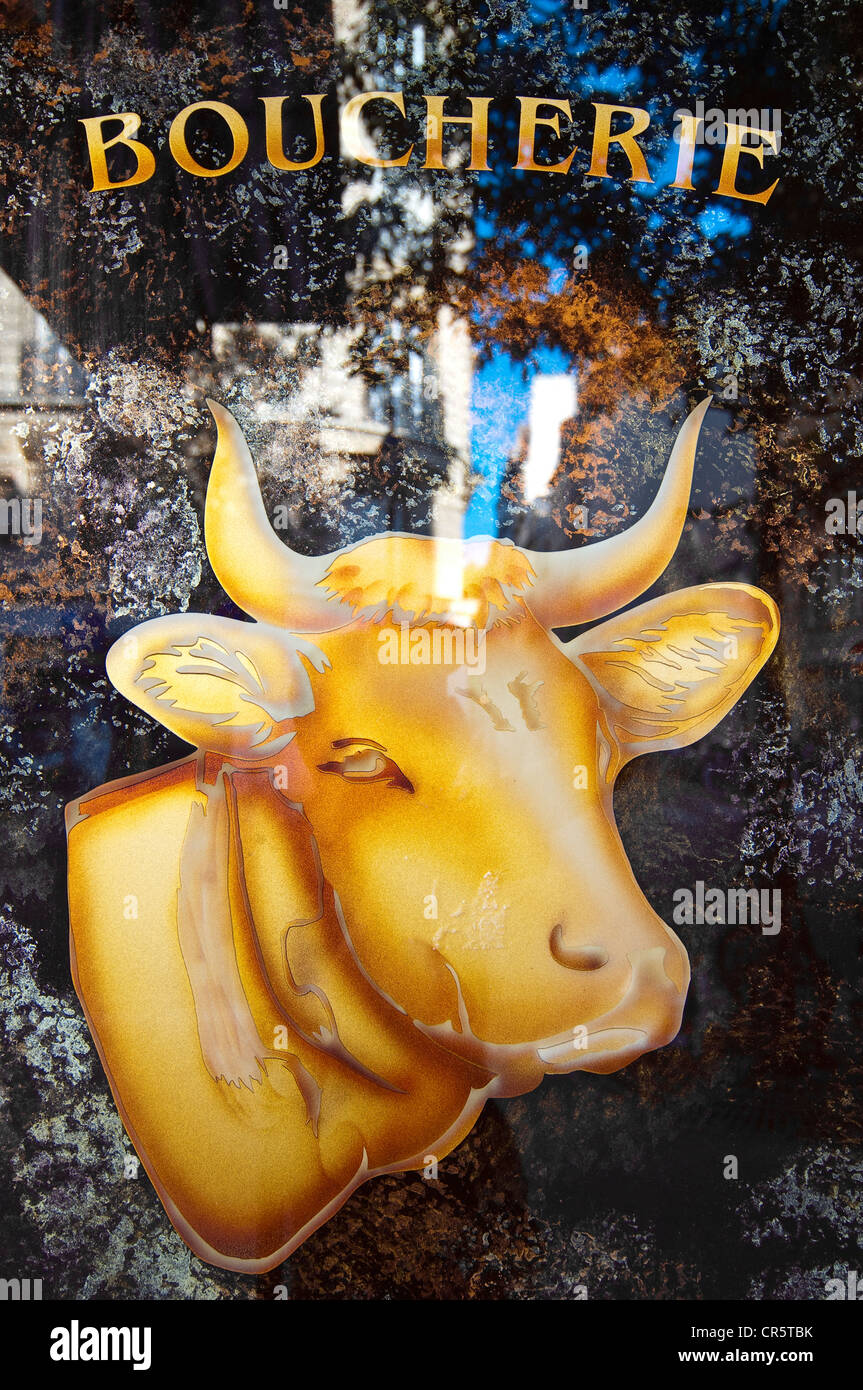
[389,884]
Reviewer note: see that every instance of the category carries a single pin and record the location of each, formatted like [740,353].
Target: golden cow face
[465,824]
[453,763]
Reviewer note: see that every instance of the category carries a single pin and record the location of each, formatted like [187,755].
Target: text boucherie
[613,126]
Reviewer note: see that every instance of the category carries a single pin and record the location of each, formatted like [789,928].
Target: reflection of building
[552,400]
[39,383]
[415,421]
[526,495]
[419,408]
[398,445]
[391,447]
[396,440]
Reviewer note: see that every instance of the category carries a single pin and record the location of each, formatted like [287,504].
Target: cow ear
[222,685]
[668,671]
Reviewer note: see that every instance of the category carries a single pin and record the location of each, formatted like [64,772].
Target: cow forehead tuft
[473,583]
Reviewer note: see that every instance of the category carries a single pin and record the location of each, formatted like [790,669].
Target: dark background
[614,1183]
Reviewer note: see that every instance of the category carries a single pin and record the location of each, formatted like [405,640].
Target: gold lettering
[97,145]
[734,148]
[528,121]
[688,136]
[275,141]
[355,142]
[626,139]
[477,120]
[180,149]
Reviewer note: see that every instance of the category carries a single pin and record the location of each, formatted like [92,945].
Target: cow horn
[260,573]
[577,586]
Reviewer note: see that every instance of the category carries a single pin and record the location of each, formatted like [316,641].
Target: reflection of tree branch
[612,333]
[621,350]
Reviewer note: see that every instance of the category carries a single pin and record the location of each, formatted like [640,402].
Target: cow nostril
[576,957]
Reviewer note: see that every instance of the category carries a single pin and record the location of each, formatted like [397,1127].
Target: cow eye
[361,762]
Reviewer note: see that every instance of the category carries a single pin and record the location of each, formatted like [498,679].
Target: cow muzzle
[646,1016]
